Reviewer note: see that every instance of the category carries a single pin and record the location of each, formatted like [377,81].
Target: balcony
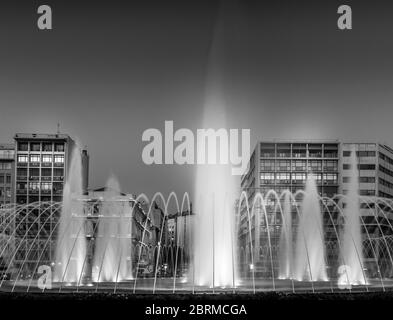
[58,178]
[21,178]
[49,178]
[59,164]
[58,191]
[315,154]
[34,191]
[34,178]
[46,164]
[34,164]
[46,191]
[21,164]
[21,191]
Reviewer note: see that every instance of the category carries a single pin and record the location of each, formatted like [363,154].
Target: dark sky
[110,70]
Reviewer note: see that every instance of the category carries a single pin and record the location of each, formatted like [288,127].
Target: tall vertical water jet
[286,241]
[112,249]
[310,248]
[71,241]
[215,190]
[351,238]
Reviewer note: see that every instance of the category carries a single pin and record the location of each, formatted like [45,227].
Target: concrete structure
[285,165]
[41,169]
[7,173]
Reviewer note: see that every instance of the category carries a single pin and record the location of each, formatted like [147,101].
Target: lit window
[59,147]
[46,186]
[59,159]
[46,158]
[35,158]
[22,158]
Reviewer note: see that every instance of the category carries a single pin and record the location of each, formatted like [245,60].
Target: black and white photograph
[196,159]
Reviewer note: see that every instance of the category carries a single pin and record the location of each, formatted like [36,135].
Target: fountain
[71,241]
[286,241]
[351,239]
[310,250]
[112,256]
[215,187]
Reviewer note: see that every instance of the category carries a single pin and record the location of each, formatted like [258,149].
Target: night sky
[109,70]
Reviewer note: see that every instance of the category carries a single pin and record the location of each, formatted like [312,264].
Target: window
[22,158]
[1,179]
[46,172]
[299,165]
[367,167]
[47,146]
[46,186]
[367,192]
[21,186]
[34,173]
[35,158]
[267,178]
[8,179]
[330,178]
[284,165]
[59,147]
[299,178]
[5,166]
[315,165]
[23,146]
[367,179]
[283,178]
[46,158]
[267,165]
[34,146]
[34,186]
[330,165]
[59,158]
[8,192]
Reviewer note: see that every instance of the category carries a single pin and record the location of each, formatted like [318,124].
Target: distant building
[41,169]
[285,165]
[42,162]
[281,166]
[7,173]
[148,230]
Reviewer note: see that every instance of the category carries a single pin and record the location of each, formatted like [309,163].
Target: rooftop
[42,136]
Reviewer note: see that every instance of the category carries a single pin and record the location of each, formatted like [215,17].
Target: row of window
[363,192]
[36,186]
[327,191]
[286,178]
[361,179]
[385,158]
[384,195]
[5,166]
[385,183]
[36,158]
[298,165]
[360,153]
[38,146]
[386,170]
[36,172]
[5,178]
[5,192]
[298,154]
[360,166]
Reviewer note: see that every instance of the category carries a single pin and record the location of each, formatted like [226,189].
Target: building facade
[285,165]
[281,166]
[7,174]
[41,169]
